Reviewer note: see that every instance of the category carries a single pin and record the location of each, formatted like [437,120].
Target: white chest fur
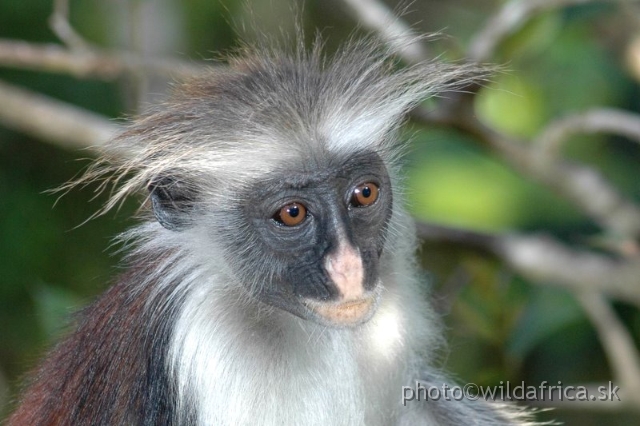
[284,371]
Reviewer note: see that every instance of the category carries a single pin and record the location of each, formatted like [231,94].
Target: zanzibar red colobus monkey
[275,282]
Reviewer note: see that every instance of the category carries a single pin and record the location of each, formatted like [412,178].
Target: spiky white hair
[236,122]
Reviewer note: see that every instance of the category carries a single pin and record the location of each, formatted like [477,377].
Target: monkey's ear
[171,201]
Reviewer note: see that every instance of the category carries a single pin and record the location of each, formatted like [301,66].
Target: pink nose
[344,267]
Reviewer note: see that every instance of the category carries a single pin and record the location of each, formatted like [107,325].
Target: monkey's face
[314,234]
[306,237]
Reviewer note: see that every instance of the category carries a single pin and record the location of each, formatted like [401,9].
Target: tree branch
[53,121]
[544,259]
[377,17]
[616,342]
[509,19]
[59,23]
[581,185]
[601,120]
[91,63]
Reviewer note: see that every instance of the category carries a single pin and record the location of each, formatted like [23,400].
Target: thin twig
[616,342]
[510,18]
[601,120]
[61,27]
[377,17]
[587,187]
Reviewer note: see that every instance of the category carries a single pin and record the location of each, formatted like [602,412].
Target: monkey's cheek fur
[343,314]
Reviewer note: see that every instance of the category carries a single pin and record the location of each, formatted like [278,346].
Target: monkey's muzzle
[344,314]
[354,305]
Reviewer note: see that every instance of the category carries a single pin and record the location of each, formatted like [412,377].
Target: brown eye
[365,194]
[291,215]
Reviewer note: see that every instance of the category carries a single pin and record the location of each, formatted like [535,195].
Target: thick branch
[543,259]
[88,63]
[51,120]
[582,185]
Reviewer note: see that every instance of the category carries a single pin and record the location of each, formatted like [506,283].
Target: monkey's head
[281,171]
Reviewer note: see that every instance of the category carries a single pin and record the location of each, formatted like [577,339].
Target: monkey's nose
[346,271]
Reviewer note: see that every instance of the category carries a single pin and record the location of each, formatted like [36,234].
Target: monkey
[273,280]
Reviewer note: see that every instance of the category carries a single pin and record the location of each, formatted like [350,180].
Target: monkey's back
[110,370]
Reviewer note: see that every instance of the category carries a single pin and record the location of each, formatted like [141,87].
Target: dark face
[311,241]
[320,235]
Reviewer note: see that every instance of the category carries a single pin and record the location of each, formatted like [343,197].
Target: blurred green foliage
[501,328]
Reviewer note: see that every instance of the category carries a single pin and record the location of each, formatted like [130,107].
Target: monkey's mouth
[346,313]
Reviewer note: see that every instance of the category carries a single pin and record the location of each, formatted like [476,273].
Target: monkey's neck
[235,360]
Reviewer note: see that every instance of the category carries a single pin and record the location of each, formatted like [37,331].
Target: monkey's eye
[291,215]
[365,194]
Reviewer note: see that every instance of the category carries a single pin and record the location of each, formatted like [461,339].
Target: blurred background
[502,324]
